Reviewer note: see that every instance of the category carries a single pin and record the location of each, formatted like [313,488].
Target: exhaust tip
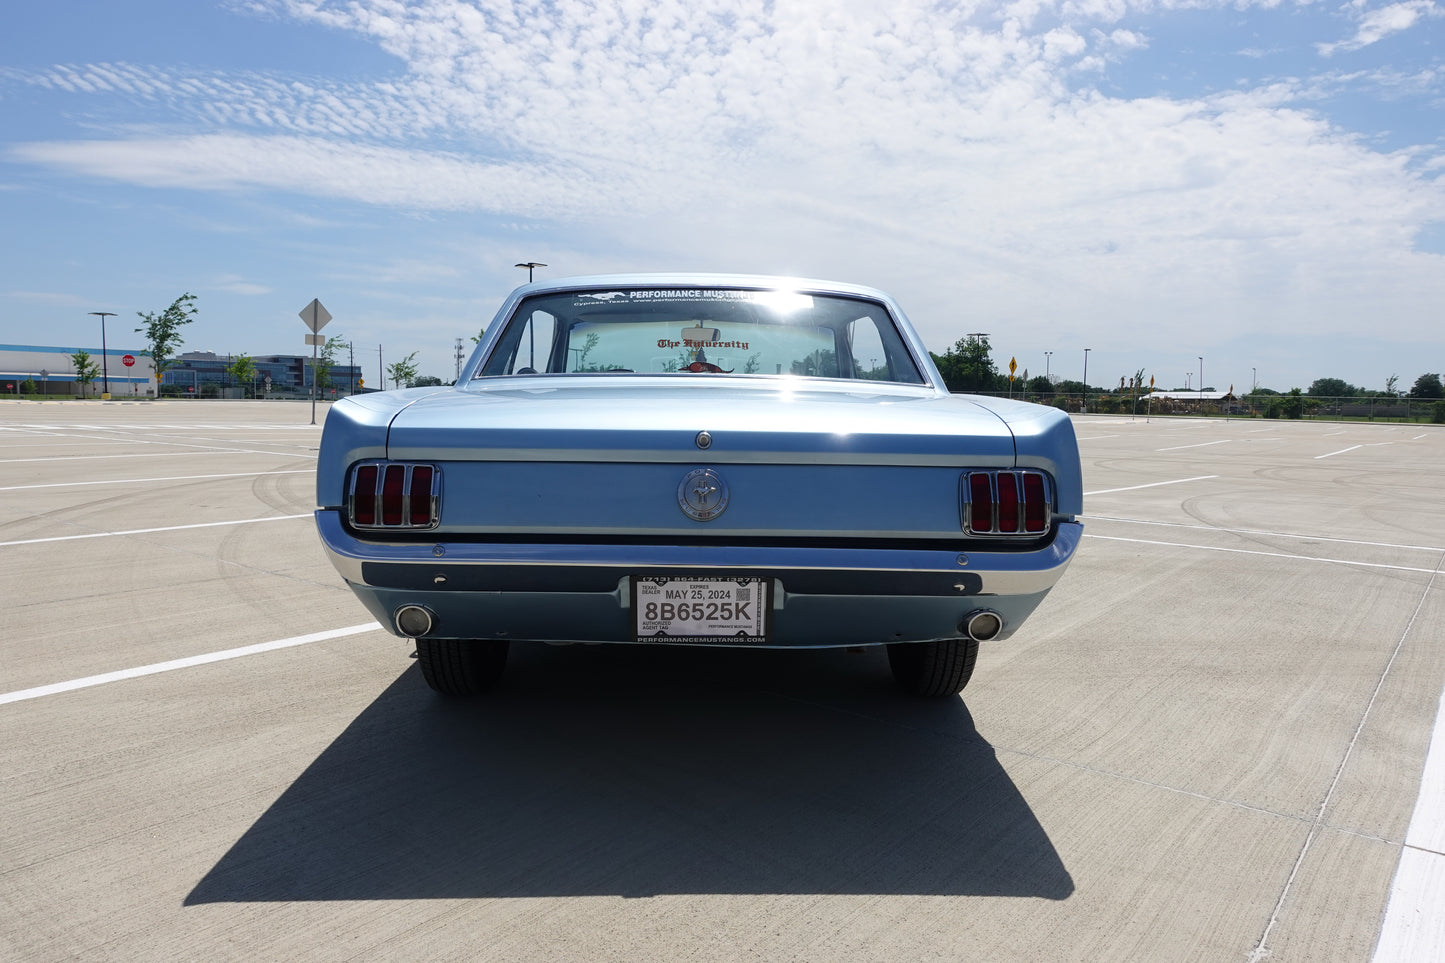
[983,625]
[413,621]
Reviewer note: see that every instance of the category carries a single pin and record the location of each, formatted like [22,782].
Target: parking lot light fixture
[104,370]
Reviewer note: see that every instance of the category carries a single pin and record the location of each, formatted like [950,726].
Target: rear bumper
[821,596]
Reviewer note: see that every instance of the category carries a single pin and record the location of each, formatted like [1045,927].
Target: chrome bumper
[367,563]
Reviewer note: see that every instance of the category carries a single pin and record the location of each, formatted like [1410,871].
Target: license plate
[705,610]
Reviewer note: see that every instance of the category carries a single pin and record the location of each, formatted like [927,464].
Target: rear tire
[461,667]
[937,670]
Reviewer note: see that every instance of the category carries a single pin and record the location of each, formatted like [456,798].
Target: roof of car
[765,282]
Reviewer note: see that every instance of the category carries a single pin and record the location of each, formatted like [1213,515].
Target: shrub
[1439,415]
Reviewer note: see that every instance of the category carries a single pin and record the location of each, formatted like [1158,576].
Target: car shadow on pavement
[629,771]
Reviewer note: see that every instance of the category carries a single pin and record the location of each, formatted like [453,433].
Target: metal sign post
[315,317]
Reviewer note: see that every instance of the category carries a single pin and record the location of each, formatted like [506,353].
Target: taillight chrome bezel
[1006,503]
[394,496]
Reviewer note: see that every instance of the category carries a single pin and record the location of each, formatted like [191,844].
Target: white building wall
[19,362]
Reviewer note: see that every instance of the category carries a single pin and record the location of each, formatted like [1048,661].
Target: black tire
[461,667]
[937,670]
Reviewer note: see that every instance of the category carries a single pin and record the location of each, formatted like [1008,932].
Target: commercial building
[205,374]
[124,372]
[128,373]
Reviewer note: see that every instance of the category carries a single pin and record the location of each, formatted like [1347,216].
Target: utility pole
[351,366]
[459,359]
[380,369]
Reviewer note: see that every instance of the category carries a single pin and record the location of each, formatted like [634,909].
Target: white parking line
[186,663]
[166,454]
[1203,444]
[1132,488]
[1247,551]
[1261,950]
[1414,927]
[1260,531]
[134,481]
[148,531]
[1340,452]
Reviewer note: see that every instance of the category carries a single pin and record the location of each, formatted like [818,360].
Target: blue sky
[1256,183]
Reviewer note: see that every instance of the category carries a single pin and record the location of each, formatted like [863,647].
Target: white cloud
[948,149]
[321,167]
[1376,25]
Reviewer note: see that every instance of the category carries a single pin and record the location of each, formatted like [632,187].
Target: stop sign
[128,360]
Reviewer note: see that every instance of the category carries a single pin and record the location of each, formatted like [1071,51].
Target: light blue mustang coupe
[698,460]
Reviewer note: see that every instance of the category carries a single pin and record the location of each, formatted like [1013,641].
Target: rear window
[702,332]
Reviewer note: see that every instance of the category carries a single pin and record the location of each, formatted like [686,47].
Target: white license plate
[708,610]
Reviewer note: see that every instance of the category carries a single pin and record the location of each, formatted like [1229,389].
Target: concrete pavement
[1206,744]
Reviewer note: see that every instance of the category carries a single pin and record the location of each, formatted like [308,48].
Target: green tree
[1332,388]
[243,369]
[1040,385]
[403,372]
[427,381]
[1294,406]
[162,333]
[326,360]
[822,363]
[968,365]
[85,369]
[1428,386]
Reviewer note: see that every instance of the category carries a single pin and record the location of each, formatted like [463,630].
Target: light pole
[104,370]
[1048,357]
[1084,407]
[1201,383]
[530,265]
[531,328]
[1253,380]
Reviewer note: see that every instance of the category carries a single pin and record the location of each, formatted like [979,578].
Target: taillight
[419,515]
[363,496]
[980,491]
[394,495]
[1036,504]
[1006,503]
[392,489]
